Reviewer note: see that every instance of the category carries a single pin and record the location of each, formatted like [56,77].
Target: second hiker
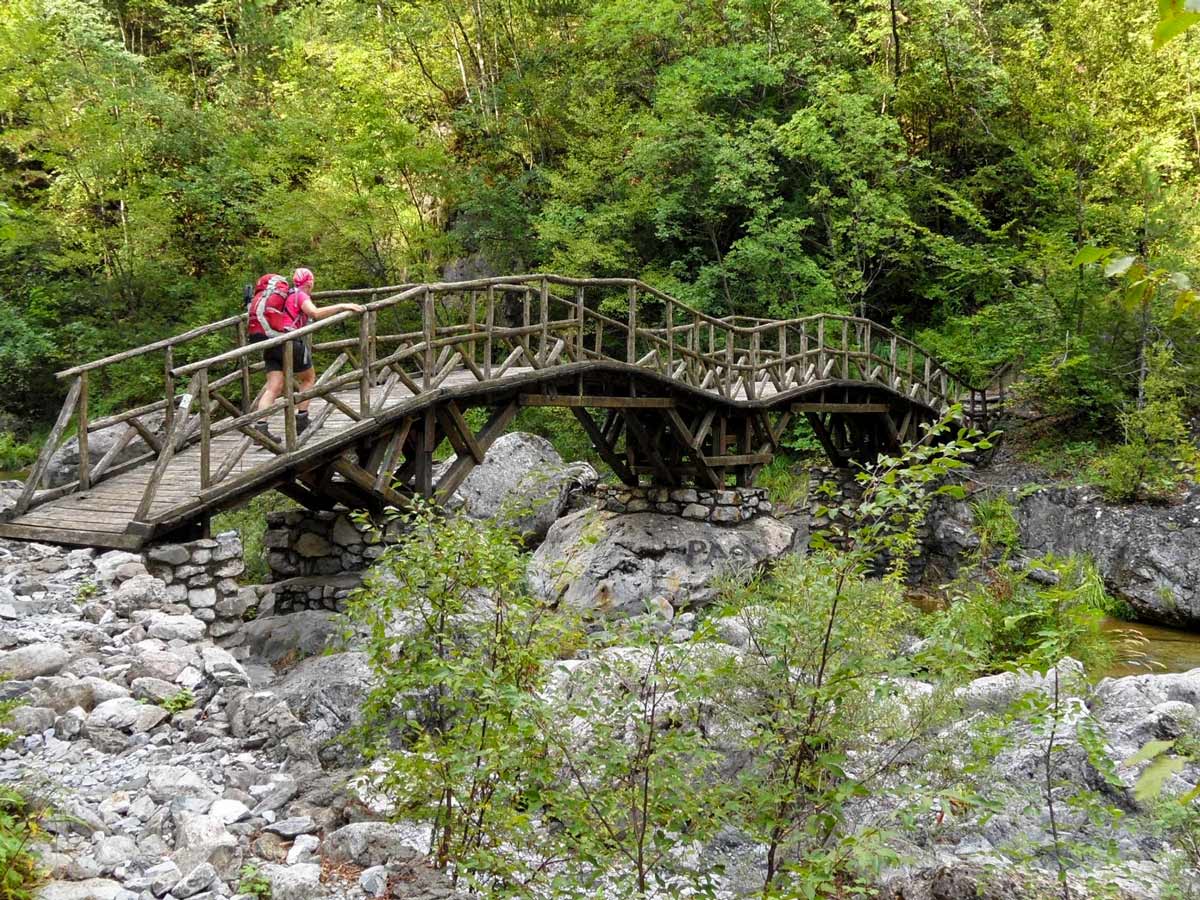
[275,310]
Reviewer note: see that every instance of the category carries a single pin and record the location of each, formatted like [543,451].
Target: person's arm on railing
[316,313]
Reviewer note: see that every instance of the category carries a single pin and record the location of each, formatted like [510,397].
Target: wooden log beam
[738,459]
[642,438]
[822,433]
[464,463]
[844,408]
[606,450]
[459,432]
[361,478]
[387,465]
[304,496]
[168,451]
[591,401]
[51,444]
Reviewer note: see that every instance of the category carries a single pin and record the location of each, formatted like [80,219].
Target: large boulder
[297,635]
[613,565]
[1138,709]
[522,479]
[10,490]
[64,464]
[33,660]
[326,693]
[370,844]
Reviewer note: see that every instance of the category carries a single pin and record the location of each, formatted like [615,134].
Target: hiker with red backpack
[275,309]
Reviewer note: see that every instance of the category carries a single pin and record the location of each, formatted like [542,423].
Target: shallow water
[1160,649]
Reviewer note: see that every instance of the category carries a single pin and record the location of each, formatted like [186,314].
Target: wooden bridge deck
[101,516]
[675,409]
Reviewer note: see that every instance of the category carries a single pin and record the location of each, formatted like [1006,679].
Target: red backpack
[270,314]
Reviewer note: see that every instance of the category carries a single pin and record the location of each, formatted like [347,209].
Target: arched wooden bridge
[663,391]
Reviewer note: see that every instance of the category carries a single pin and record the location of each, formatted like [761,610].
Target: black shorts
[273,356]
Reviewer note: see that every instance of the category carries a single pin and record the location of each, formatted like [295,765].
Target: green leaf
[1184,303]
[1179,281]
[1119,266]
[1150,784]
[1149,751]
[1172,24]
[1089,255]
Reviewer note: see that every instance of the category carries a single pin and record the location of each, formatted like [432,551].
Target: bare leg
[273,390]
[304,381]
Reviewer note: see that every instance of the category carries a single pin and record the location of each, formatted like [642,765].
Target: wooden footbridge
[664,392]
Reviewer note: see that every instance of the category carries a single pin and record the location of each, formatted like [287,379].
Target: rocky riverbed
[163,800]
[170,763]
[180,769]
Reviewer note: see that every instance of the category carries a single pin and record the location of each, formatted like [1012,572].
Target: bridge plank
[60,535]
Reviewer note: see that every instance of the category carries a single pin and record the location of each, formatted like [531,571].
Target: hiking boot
[262,429]
[302,423]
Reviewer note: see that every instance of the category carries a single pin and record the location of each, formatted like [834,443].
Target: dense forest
[937,165]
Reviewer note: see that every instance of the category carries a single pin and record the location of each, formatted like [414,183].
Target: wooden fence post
[783,357]
[169,391]
[490,324]
[820,348]
[244,364]
[427,326]
[631,337]
[669,319]
[205,431]
[85,462]
[289,393]
[544,320]
[580,309]
[365,358]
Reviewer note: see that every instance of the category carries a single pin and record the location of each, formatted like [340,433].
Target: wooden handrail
[507,282]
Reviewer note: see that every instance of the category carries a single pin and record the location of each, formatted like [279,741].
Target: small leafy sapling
[637,768]
[819,667]
[457,647]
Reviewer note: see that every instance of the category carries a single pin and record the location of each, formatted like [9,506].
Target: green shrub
[250,522]
[802,440]
[15,455]
[1134,472]
[604,781]
[1003,619]
[1062,458]
[785,487]
[254,883]
[1177,821]
[468,663]
[1157,452]
[996,524]
[1078,389]
[179,701]
[21,830]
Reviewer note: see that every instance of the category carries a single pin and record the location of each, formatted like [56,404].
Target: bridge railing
[415,338]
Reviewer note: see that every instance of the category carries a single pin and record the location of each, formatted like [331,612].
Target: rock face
[1150,556]
[613,565]
[1147,555]
[522,478]
[295,635]
[326,693]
